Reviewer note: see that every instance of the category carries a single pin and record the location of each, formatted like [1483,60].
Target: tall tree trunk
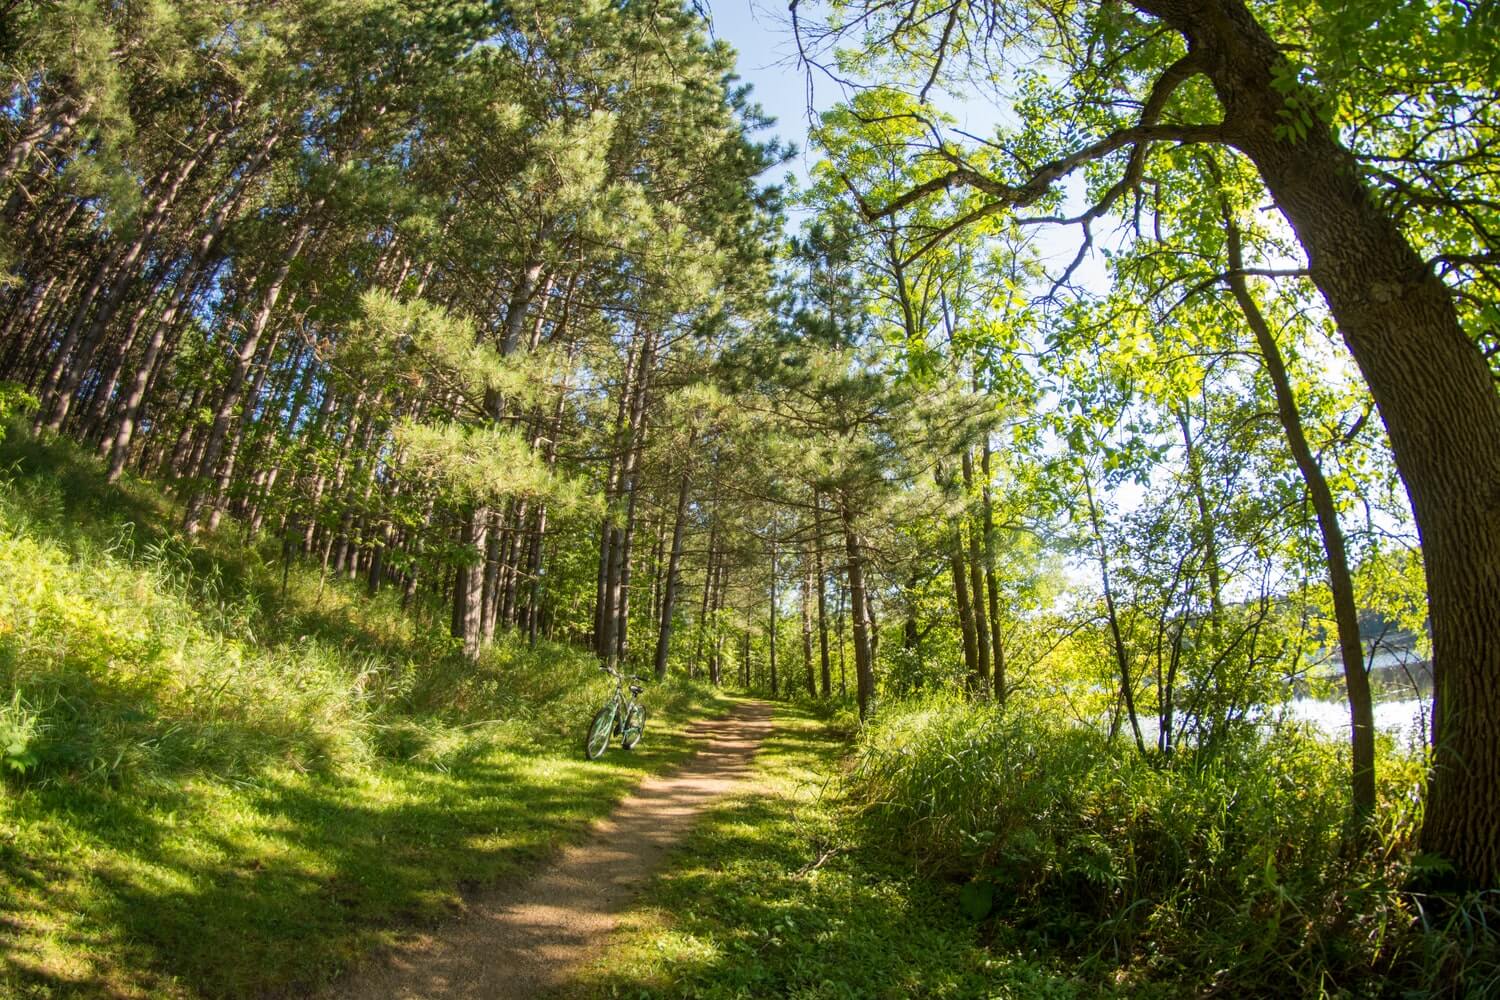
[864,666]
[241,359]
[674,562]
[1432,386]
[237,435]
[991,587]
[468,585]
[710,581]
[1340,580]
[604,610]
[73,362]
[825,665]
[716,658]
[182,294]
[775,688]
[807,629]
[960,575]
[976,581]
[619,582]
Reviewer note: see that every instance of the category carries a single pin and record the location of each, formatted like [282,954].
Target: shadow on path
[526,938]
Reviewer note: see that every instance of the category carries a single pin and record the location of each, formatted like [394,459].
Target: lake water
[1406,720]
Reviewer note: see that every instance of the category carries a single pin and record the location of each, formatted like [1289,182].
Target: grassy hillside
[212,788]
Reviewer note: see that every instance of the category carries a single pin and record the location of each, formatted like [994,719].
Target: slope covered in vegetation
[224,777]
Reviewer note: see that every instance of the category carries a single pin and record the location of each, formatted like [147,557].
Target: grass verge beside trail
[211,787]
[776,894]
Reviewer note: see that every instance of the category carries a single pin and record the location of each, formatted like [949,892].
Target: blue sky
[761,32]
[762,35]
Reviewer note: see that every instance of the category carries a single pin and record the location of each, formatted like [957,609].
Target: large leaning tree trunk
[1433,389]
[1430,382]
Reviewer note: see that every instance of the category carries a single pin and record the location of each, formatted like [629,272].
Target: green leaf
[977,899]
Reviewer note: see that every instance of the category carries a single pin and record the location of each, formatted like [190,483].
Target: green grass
[960,852]
[779,892]
[212,790]
[1234,869]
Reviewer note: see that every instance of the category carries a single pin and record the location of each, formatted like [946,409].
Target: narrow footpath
[526,938]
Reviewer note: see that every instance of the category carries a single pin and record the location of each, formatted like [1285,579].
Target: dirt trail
[524,939]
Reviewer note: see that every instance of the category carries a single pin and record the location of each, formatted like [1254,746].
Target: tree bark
[807,630]
[241,359]
[1432,387]
[976,581]
[1340,580]
[669,590]
[825,664]
[775,691]
[960,575]
[991,586]
[468,586]
[864,667]
[710,580]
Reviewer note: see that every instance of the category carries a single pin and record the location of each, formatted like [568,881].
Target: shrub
[1233,870]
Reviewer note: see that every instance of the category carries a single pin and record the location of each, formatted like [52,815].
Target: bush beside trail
[1231,871]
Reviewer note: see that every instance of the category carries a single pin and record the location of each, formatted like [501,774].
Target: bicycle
[619,715]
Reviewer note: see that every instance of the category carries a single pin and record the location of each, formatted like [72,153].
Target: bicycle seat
[636,689]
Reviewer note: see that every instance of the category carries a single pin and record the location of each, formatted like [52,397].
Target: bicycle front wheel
[635,725]
[600,731]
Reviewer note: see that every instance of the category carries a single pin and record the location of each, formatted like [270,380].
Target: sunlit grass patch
[214,787]
[776,893]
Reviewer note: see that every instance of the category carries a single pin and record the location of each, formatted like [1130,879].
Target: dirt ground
[526,938]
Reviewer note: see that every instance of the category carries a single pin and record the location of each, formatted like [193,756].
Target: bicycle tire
[600,730]
[635,725]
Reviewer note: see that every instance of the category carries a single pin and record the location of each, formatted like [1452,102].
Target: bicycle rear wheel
[600,731]
[635,725]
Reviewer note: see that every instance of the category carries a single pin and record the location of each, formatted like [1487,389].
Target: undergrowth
[1232,873]
[221,782]
[777,892]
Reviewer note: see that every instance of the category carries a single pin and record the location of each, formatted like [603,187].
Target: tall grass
[1234,872]
[127,654]
[214,786]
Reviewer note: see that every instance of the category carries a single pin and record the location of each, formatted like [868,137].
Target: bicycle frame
[621,710]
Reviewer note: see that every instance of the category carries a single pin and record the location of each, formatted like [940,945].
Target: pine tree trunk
[710,580]
[716,658]
[825,665]
[241,359]
[669,590]
[864,666]
[183,291]
[72,363]
[807,642]
[468,586]
[775,690]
